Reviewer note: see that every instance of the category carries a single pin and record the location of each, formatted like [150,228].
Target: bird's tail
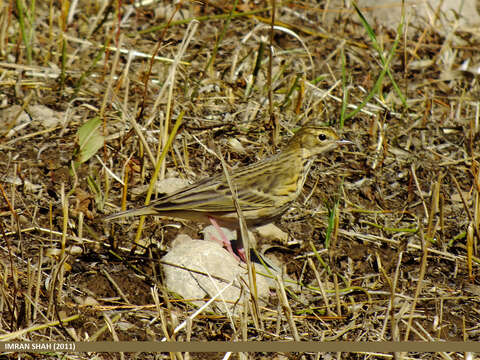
[144,210]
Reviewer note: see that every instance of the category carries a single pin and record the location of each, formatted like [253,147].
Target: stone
[198,269]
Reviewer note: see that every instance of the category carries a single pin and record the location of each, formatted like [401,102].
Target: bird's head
[314,140]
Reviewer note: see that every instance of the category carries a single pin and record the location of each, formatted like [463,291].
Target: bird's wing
[193,197]
[214,195]
[258,186]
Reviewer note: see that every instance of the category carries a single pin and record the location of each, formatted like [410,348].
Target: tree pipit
[265,189]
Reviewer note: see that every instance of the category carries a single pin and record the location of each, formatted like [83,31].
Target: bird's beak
[344,142]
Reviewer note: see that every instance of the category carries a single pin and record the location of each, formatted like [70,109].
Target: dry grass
[402,206]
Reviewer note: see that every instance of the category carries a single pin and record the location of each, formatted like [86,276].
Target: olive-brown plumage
[264,189]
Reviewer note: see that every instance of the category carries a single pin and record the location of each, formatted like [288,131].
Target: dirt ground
[403,203]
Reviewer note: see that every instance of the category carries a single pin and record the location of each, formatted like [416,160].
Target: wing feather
[266,184]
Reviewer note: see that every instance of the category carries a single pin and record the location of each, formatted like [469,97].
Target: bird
[264,189]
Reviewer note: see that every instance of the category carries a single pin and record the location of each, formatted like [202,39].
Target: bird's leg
[225,242]
[240,249]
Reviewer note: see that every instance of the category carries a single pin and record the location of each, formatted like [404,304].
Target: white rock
[165,186]
[170,185]
[45,116]
[236,145]
[14,118]
[211,234]
[200,266]
[272,232]
[418,13]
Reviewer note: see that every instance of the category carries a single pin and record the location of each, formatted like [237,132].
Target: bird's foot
[226,243]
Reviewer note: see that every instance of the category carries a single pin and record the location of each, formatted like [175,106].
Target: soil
[402,260]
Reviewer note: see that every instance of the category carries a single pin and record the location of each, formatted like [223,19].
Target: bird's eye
[322,137]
